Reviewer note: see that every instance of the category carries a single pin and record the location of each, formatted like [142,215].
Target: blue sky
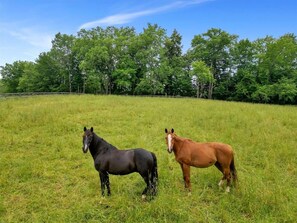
[27,27]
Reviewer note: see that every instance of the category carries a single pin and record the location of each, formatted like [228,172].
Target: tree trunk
[210,89]
[197,88]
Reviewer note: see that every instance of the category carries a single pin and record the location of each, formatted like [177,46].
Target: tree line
[115,60]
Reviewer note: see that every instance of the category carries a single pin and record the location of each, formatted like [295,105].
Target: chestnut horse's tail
[233,171]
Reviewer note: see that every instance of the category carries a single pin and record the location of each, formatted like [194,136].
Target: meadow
[45,177]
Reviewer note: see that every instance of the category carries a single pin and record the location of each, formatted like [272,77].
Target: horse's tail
[154,175]
[233,171]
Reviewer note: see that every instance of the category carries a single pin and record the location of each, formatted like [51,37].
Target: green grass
[45,177]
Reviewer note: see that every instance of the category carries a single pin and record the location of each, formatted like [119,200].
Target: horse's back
[221,147]
[142,154]
[209,147]
[223,151]
[143,159]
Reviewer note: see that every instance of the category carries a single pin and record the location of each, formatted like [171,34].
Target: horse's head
[170,135]
[87,139]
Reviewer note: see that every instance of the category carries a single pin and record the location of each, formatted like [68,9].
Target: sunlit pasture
[45,176]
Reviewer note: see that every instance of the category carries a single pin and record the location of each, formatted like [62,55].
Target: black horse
[109,160]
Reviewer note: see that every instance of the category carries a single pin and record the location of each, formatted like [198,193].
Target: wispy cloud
[124,18]
[32,37]
[23,43]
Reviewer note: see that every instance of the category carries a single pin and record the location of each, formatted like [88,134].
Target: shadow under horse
[109,160]
[189,153]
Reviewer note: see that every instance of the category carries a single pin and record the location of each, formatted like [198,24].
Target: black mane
[99,145]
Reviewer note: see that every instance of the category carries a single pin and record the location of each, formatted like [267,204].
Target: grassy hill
[45,177]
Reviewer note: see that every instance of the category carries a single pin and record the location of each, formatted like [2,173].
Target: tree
[150,50]
[11,74]
[49,78]
[62,53]
[106,53]
[286,91]
[244,69]
[30,78]
[213,47]
[124,74]
[280,60]
[2,86]
[201,77]
[173,64]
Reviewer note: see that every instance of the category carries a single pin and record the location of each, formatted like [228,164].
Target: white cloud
[32,37]
[124,18]
[22,43]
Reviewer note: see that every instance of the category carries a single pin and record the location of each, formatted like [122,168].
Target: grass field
[45,177]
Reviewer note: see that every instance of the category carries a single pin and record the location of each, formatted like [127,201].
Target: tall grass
[45,177]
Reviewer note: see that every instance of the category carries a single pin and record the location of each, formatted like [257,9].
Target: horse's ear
[166,131]
[172,130]
[85,129]
[92,129]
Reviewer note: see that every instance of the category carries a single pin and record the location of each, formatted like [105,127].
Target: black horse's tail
[154,175]
[233,172]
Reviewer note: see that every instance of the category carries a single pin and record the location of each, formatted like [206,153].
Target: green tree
[213,47]
[286,91]
[150,49]
[49,78]
[107,54]
[11,74]
[202,77]
[244,68]
[280,60]
[277,69]
[30,78]
[172,64]
[62,53]
[2,86]
[124,74]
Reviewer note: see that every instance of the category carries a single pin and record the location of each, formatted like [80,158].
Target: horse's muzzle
[85,149]
[169,150]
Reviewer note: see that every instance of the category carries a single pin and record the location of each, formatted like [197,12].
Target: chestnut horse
[189,153]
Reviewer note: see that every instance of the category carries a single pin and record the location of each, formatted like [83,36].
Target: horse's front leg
[186,174]
[102,182]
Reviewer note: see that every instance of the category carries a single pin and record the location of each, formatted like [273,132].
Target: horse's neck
[178,144]
[98,145]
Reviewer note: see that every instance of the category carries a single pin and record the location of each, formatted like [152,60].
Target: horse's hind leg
[219,166]
[227,176]
[146,178]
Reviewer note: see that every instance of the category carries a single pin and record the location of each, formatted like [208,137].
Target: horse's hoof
[228,189]
[189,194]
[143,196]
[221,183]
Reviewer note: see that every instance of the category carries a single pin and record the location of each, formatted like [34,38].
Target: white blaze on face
[169,139]
[86,147]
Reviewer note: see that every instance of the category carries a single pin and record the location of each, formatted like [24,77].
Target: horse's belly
[122,169]
[121,172]
[203,163]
